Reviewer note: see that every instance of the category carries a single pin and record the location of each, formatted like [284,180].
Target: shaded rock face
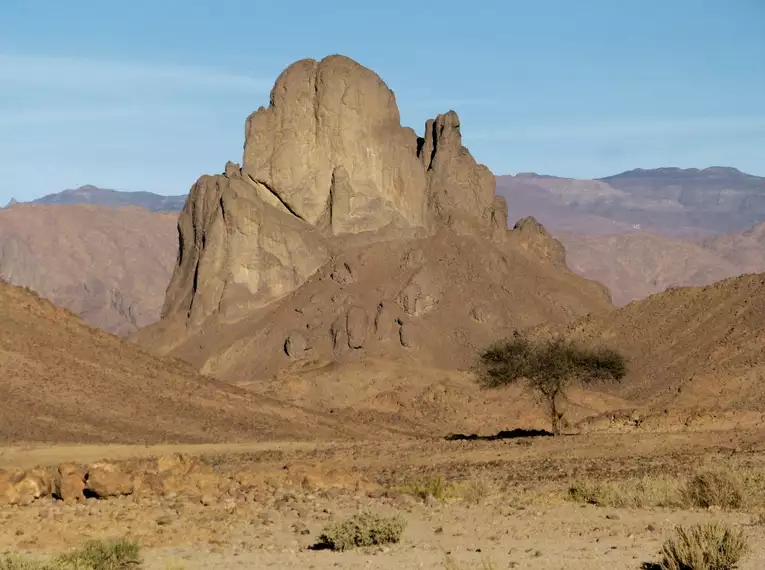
[327,163]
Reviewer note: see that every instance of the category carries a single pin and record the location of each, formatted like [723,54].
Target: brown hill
[689,347]
[636,265]
[110,266]
[63,381]
[745,249]
[345,237]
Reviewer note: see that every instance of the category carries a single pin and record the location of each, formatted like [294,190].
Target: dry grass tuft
[703,547]
[120,554]
[721,488]
[656,491]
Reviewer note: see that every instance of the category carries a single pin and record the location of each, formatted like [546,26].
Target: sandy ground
[523,518]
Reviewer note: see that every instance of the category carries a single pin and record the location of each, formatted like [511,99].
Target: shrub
[648,491]
[703,547]
[714,489]
[119,554]
[362,529]
[435,487]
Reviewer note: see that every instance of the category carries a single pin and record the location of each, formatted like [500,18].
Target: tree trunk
[556,417]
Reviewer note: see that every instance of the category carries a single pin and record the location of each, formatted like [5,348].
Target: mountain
[65,382]
[113,198]
[108,265]
[667,201]
[344,237]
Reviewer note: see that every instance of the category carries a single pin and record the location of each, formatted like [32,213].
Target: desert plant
[15,562]
[362,529]
[703,547]
[474,492]
[120,554]
[435,487]
[718,488]
[548,368]
[647,491]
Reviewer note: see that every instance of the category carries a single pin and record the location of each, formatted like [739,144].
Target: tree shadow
[504,434]
[650,566]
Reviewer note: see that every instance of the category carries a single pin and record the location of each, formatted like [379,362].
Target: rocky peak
[327,158]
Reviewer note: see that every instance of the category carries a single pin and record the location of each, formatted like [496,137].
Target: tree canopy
[548,367]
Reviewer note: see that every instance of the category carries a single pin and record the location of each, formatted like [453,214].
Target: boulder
[69,485]
[105,480]
[23,487]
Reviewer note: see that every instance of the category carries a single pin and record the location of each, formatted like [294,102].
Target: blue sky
[149,94]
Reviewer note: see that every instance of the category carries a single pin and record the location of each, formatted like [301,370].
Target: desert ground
[505,503]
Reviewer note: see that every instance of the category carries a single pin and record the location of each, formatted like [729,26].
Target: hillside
[108,265]
[96,196]
[636,265]
[690,347]
[65,382]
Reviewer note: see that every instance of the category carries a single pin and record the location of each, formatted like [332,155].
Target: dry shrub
[362,529]
[14,562]
[121,554]
[435,487]
[475,492]
[655,491]
[719,488]
[703,547]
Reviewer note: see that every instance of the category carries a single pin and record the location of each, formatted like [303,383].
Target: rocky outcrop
[327,158]
[345,237]
[238,251]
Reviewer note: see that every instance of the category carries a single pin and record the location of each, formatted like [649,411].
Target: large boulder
[23,487]
[104,480]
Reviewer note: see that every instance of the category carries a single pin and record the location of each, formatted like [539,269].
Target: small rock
[612,517]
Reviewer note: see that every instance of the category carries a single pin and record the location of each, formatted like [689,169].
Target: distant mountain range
[668,201]
[96,196]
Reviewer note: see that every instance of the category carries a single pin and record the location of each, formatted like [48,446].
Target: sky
[150,94]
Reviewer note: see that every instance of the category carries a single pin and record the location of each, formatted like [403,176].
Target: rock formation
[327,158]
[345,235]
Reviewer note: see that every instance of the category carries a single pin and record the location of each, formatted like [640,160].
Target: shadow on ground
[504,434]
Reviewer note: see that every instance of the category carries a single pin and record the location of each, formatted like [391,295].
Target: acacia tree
[548,368]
